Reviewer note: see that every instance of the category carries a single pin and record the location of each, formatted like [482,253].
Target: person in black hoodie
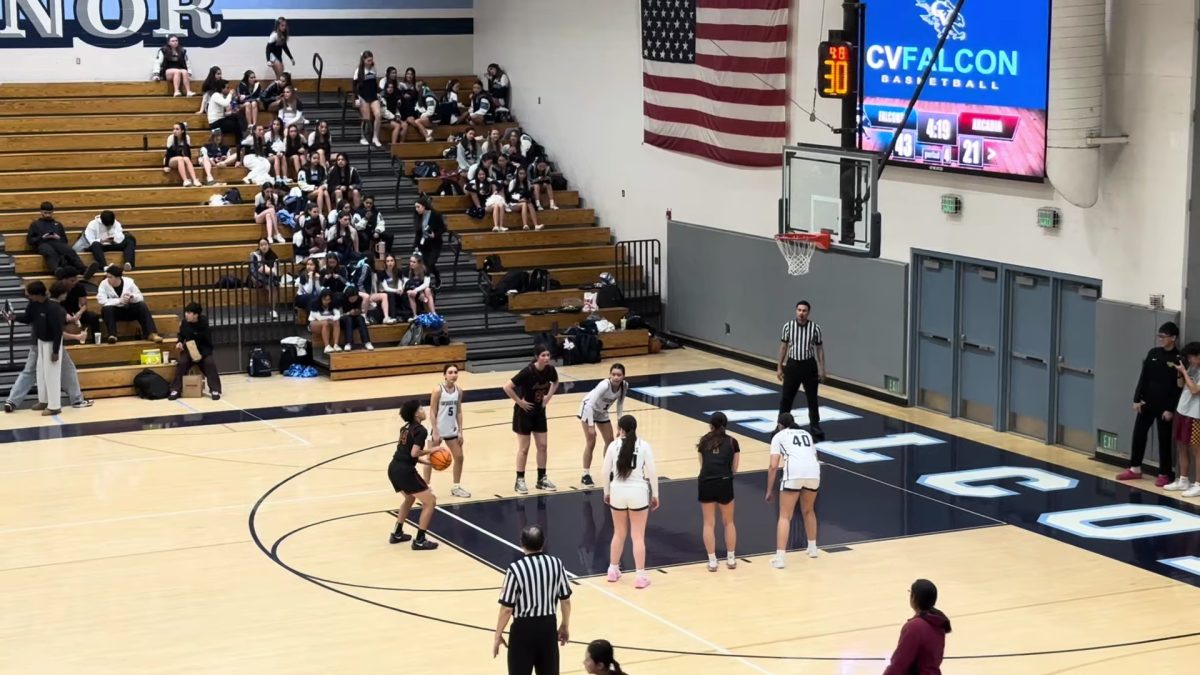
[49,238]
[1154,401]
[194,329]
[352,318]
[48,326]
[923,638]
[430,233]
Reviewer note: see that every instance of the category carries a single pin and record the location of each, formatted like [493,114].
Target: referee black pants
[798,374]
[533,646]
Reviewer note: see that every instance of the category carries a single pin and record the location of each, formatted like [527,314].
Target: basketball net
[798,249]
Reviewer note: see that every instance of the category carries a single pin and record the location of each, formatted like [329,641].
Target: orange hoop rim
[821,240]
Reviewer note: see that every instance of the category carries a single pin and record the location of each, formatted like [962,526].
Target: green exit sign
[1107,440]
[892,384]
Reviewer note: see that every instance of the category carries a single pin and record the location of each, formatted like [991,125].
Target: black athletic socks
[520,474]
[399,529]
[541,474]
[420,535]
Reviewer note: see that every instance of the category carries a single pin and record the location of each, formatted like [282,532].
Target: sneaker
[216,395]
[83,403]
[404,536]
[348,347]
[777,562]
[813,551]
[328,349]
[51,413]
[363,141]
[154,337]
[545,484]
[172,396]
[391,320]
[369,347]
[279,239]
[9,406]
[614,574]
[92,270]
[376,143]
[731,563]
[1162,480]
[460,491]
[38,406]
[1193,491]
[1129,474]
[423,545]
[642,582]
[112,339]
[713,566]
[128,267]
[554,207]
[1179,485]
[587,481]
[520,487]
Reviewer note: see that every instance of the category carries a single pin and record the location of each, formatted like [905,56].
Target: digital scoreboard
[983,109]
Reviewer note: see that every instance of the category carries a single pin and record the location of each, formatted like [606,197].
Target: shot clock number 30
[836,69]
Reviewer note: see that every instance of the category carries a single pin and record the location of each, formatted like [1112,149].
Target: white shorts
[495,200]
[797,484]
[629,496]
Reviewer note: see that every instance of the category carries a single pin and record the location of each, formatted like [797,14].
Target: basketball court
[172,536]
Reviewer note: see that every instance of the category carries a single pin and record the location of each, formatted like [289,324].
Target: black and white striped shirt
[534,585]
[802,339]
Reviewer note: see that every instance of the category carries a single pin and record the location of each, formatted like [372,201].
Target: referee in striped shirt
[533,587]
[801,363]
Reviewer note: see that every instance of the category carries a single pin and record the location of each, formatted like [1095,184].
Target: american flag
[714,78]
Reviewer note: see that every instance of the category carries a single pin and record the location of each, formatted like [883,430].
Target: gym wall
[433,36]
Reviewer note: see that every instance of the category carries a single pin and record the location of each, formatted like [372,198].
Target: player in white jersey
[794,448]
[631,492]
[446,403]
[593,415]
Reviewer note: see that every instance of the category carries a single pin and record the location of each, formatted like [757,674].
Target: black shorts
[533,422]
[719,491]
[405,479]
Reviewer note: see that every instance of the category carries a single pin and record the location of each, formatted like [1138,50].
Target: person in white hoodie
[121,300]
[104,233]
[222,110]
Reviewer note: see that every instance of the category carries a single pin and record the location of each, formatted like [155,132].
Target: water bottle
[96,336]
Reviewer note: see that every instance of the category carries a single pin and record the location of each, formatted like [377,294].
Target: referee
[533,587]
[801,363]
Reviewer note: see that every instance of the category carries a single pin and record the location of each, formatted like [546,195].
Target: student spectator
[505,169]
[35,292]
[48,237]
[75,301]
[353,318]
[311,177]
[264,274]
[104,233]
[494,142]
[373,234]
[223,114]
[249,96]
[276,140]
[208,87]
[481,106]
[266,206]
[277,46]
[332,278]
[320,144]
[308,286]
[390,76]
[290,109]
[541,178]
[520,192]
[450,107]
[409,83]
[325,320]
[497,206]
[178,157]
[274,91]
[1187,424]
[49,328]
[361,275]
[342,239]
[172,66]
[408,113]
[345,182]
[391,281]
[429,235]
[498,87]
[214,154]
[427,103]
[467,151]
[194,335]
[478,189]
[121,300]
[255,153]
[389,96]
[417,287]
[1154,400]
[309,238]
[366,90]
[923,638]
[293,143]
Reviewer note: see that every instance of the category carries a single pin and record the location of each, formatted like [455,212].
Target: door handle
[978,347]
[935,338]
[1075,369]
[1029,357]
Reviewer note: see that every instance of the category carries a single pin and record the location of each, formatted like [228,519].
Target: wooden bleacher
[620,343]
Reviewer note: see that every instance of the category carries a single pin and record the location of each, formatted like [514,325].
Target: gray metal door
[935,334]
[980,301]
[1029,323]
[1076,359]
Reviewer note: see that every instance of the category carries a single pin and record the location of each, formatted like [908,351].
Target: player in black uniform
[403,473]
[531,391]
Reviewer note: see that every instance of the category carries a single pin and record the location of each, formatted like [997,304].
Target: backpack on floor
[260,363]
[589,347]
[233,196]
[150,385]
[492,264]
[539,280]
[414,336]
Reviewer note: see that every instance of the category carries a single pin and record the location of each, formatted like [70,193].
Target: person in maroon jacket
[923,638]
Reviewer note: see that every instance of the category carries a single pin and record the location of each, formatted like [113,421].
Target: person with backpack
[430,233]
[194,347]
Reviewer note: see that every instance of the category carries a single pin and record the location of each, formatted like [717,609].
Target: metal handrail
[318,64]
[342,103]
[398,167]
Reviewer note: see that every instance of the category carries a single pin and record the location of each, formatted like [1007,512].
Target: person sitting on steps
[104,233]
[194,332]
[48,237]
[121,300]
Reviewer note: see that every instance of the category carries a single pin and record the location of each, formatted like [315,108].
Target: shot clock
[836,67]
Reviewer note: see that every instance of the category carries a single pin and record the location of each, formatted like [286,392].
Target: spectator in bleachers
[366,91]
[320,144]
[497,205]
[427,104]
[249,95]
[214,154]
[264,274]
[325,320]
[209,86]
[408,113]
[498,87]
[450,107]
[308,286]
[255,152]
[35,293]
[390,76]
[194,335]
[311,177]
[332,278]
[274,91]
[541,178]
[276,140]
[266,206]
[290,109]
[104,233]
[467,152]
[481,106]
[372,230]
[420,295]
[75,302]
[478,189]
[48,237]
[492,145]
[293,143]
[223,115]
[309,238]
[353,311]
[342,239]
[361,275]
[520,192]
[389,97]
[277,46]
[429,236]
[341,207]
[505,169]
[172,66]
[345,182]
[178,157]
[391,282]
[409,82]
[121,300]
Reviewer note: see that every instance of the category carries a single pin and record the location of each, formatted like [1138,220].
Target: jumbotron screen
[983,109]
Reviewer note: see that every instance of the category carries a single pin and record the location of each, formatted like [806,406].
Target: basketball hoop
[798,249]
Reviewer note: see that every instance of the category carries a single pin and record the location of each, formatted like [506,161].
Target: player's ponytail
[711,441]
[787,421]
[601,654]
[628,425]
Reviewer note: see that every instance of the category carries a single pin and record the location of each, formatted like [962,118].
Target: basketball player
[410,451]
[631,492]
[593,415]
[447,401]
[531,390]
[719,455]
[794,448]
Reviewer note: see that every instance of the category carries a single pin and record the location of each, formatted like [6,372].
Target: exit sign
[892,384]
[1107,440]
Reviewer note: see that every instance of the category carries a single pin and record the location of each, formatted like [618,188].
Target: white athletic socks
[812,548]
[712,559]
